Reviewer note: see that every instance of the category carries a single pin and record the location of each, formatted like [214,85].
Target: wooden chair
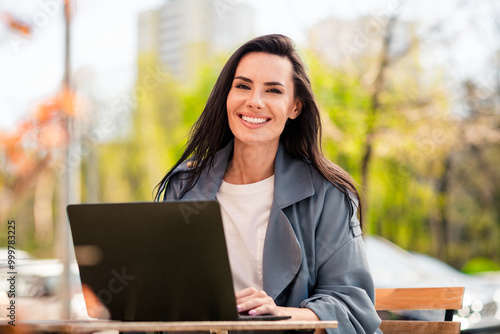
[448,299]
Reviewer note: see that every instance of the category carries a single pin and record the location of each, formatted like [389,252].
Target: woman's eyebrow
[270,83]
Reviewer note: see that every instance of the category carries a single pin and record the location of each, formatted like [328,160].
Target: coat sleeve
[344,289]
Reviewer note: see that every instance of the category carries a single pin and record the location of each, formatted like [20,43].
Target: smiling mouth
[254,120]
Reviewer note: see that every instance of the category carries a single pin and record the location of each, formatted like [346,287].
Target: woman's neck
[250,163]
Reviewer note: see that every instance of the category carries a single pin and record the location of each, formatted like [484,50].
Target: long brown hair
[300,138]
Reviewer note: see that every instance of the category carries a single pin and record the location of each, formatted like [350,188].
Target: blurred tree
[401,171]
[29,158]
[163,110]
[391,122]
[131,165]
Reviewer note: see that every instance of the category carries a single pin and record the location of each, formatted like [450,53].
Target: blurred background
[97,97]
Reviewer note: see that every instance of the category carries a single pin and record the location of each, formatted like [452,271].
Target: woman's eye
[274,90]
[242,86]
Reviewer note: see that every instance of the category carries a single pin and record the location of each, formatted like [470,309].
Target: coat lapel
[282,253]
[211,179]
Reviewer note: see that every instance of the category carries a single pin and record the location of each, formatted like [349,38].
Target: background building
[184,33]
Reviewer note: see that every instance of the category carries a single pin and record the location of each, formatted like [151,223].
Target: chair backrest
[399,299]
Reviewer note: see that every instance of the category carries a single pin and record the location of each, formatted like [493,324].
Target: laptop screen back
[162,261]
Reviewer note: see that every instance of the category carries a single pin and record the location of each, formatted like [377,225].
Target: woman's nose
[255,100]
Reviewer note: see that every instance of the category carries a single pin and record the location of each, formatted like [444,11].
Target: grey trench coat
[314,254]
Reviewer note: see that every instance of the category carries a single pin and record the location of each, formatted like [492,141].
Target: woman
[289,214]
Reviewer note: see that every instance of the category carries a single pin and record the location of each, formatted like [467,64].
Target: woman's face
[261,99]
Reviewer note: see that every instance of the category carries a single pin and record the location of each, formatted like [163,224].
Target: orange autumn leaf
[3,139]
[68,103]
[9,141]
[20,149]
[67,8]
[13,142]
[24,127]
[66,100]
[53,135]
[62,103]
[26,131]
[46,110]
[21,162]
[17,25]
[43,130]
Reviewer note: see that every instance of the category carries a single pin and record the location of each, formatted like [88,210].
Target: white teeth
[253,120]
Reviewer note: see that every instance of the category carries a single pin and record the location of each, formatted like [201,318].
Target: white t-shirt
[245,212]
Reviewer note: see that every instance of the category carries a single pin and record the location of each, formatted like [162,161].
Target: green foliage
[163,113]
[480,264]
[414,140]
[343,103]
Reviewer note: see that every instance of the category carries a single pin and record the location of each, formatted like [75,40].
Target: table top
[86,326]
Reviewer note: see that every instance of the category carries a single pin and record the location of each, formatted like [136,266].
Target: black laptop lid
[162,261]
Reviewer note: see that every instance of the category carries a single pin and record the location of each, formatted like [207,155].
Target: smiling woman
[259,104]
[290,215]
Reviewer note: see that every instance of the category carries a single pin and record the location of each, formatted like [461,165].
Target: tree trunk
[439,228]
[378,87]
[42,208]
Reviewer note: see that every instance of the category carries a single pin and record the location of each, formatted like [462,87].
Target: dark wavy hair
[300,138]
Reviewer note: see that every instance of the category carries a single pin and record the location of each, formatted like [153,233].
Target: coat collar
[289,175]
[292,180]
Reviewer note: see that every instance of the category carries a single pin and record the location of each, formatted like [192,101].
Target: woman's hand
[256,302]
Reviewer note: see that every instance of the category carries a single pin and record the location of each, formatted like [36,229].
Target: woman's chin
[255,141]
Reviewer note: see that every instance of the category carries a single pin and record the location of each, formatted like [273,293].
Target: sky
[104,35]
[32,69]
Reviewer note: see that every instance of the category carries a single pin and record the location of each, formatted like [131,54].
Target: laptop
[156,261]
